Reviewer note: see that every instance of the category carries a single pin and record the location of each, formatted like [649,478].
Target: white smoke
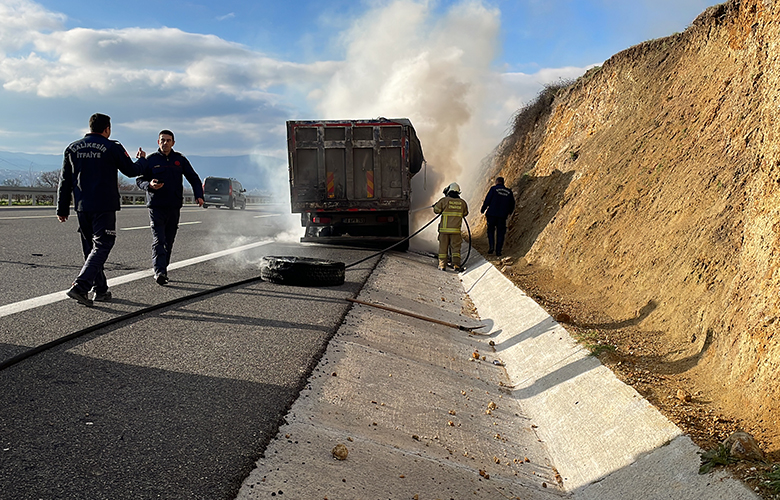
[404,59]
[277,186]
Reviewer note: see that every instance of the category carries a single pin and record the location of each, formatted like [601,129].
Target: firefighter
[499,203]
[89,178]
[452,209]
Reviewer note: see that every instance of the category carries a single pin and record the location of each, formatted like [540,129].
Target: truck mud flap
[302,271]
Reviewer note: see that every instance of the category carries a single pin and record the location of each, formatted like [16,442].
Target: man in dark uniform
[89,173]
[164,194]
[499,203]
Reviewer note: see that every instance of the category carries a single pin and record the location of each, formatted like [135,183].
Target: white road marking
[266,215]
[147,227]
[51,298]
[29,217]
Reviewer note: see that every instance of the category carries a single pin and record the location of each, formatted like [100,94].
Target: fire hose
[468,229]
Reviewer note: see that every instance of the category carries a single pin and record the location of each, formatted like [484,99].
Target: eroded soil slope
[649,199]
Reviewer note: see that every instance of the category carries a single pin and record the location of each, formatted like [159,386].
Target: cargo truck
[351,179]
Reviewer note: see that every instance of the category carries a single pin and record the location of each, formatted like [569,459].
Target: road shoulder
[420,407]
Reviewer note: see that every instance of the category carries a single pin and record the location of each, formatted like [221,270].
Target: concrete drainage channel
[517,409]
[605,439]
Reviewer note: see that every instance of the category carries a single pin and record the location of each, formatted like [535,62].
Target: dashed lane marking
[29,217]
[147,227]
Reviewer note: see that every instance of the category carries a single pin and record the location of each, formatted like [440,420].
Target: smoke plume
[402,61]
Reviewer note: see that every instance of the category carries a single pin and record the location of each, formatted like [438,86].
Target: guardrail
[47,196]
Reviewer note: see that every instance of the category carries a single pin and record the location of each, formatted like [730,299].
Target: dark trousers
[165,223]
[98,235]
[496,231]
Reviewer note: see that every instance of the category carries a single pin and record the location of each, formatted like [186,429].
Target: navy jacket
[499,202]
[169,170]
[89,173]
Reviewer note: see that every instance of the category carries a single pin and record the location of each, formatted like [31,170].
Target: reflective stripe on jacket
[452,211]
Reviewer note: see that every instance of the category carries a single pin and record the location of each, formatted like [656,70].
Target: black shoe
[102,297]
[498,254]
[458,269]
[81,297]
[161,279]
[490,251]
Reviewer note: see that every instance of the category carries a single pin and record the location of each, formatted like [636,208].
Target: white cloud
[521,88]
[22,20]
[226,16]
[117,61]
[402,59]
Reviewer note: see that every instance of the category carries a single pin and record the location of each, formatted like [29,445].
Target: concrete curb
[412,404]
[605,440]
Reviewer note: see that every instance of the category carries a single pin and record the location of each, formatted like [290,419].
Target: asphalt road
[177,404]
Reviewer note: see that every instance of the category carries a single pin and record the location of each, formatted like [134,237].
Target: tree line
[51,179]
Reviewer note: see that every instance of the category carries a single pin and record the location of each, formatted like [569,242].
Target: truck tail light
[385,219]
[321,220]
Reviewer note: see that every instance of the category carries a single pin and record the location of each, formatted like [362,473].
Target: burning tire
[302,271]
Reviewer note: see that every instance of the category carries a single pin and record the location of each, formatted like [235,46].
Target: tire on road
[301,271]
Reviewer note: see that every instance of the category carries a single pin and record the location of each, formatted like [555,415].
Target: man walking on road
[452,209]
[499,203]
[164,194]
[89,174]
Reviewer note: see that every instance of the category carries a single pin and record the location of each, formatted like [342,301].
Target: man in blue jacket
[499,203]
[164,196]
[89,174]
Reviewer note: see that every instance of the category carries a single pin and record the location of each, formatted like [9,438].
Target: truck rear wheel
[302,271]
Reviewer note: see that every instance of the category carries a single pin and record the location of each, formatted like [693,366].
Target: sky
[226,75]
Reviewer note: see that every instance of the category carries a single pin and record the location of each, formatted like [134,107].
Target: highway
[39,255]
[222,386]
[178,403]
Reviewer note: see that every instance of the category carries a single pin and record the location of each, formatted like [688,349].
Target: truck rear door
[346,162]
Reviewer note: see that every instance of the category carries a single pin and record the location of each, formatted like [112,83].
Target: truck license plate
[354,220]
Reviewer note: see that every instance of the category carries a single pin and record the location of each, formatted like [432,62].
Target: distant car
[223,192]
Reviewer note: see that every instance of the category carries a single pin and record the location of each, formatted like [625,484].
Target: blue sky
[226,75]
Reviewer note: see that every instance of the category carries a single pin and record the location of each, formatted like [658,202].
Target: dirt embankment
[649,195]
